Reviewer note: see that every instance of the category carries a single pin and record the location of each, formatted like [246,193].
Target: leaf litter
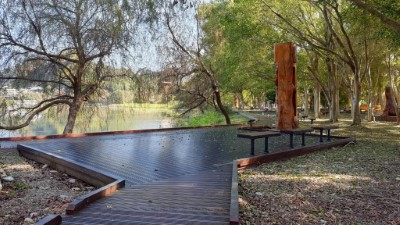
[355,184]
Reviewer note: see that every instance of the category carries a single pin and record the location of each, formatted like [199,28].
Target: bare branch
[35,113]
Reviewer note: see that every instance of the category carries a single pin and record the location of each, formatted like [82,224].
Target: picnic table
[255,135]
[297,131]
[321,129]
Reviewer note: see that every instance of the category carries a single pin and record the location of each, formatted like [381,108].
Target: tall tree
[75,40]
[198,63]
[300,21]
[241,48]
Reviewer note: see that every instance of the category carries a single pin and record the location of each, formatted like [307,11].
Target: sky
[150,52]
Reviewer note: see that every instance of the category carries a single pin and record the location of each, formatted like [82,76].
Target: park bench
[256,128]
[321,129]
[255,135]
[297,131]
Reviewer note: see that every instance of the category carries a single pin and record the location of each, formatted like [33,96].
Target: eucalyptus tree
[304,23]
[365,31]
[346,49]
[388,11]
[69,46]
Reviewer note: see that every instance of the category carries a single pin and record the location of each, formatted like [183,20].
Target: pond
[110,118]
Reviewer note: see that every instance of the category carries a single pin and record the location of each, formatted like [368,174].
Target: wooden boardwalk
[171,177]
[200,198]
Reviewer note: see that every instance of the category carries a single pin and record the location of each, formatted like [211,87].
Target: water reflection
[104,119]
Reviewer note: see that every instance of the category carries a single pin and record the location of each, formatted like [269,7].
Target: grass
[19,185]
[210,118]
[356,184]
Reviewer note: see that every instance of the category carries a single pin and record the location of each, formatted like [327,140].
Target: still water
[102,119]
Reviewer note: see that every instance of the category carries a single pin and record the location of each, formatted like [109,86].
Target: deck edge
[257,160]
[50,220]
[234,207]
[80,135]
[91,175]
[82,201]
[106,182]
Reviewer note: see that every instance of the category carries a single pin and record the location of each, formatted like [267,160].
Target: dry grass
[356,184]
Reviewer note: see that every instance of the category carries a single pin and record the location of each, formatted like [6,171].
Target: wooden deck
[200,198]
[170,177]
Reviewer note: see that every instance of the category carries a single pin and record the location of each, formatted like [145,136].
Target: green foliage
[19,185]
[210,117]
[241,46]
[391,10]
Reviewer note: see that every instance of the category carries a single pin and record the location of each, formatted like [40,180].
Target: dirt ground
[356,184]
[36,191]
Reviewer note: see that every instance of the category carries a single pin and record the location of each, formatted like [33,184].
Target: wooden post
[286,83]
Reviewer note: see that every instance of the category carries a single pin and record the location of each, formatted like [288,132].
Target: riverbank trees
[73,48]
[66,45]
[345,46]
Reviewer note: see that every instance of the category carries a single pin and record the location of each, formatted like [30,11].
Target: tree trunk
[369,96]
[356,102]
[285,61]
[390,107]
[370,107]
[241,100]
[306,101]
[235,102]
[221,106]
[73,113]
[398,108]
[262,101]
[393,95]
[337,106]
[334,107]
[317,101]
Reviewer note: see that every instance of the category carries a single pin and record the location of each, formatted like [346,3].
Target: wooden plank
[156,203]
[256,128]
[50,220]
[262,134]
[234,207]
[324,127]
[297,131]
[81,202]
[91,175]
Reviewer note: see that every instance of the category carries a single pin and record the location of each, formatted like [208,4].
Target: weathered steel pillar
[286,84]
